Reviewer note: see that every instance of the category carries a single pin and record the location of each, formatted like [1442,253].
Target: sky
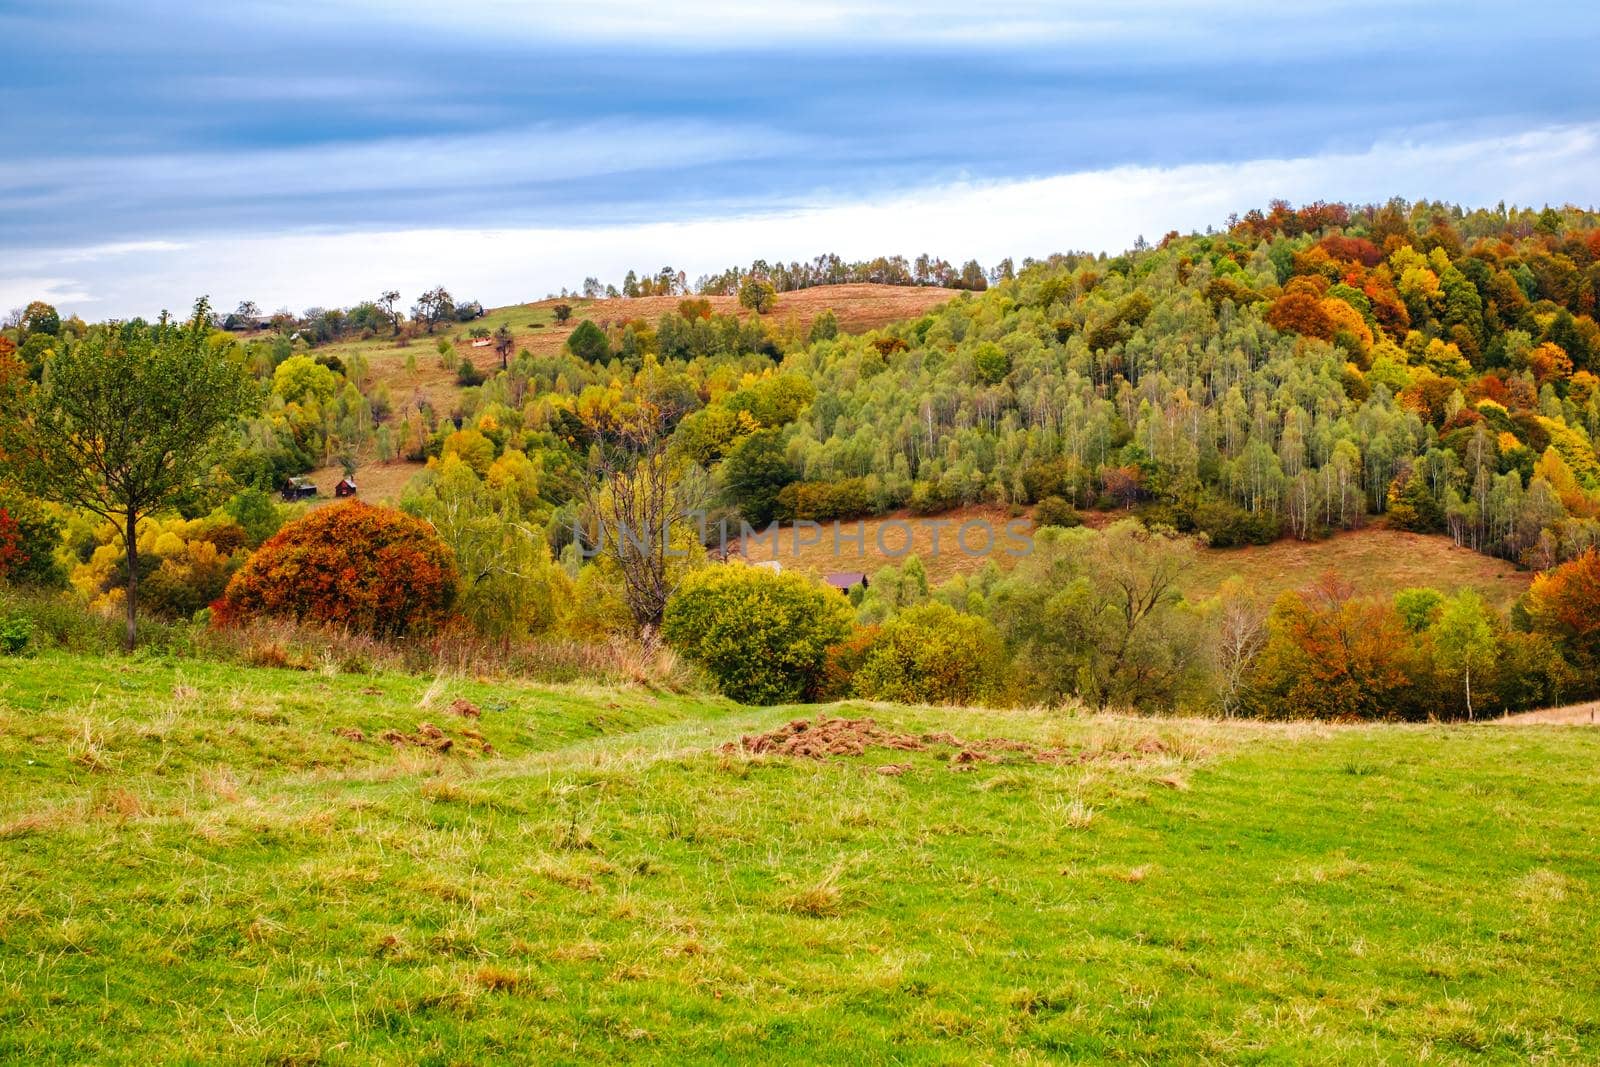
[314,154]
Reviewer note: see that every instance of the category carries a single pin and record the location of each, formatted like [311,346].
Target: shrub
[844,660]
[29,536]
[184,564]
[588,342]
[933,654]
[764,637]
[930,498]
[15,632]
[468,374]
[373,570]
[1227,525]
[824,501]
[1054,511]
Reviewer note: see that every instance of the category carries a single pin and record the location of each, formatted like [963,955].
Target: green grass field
[197,865]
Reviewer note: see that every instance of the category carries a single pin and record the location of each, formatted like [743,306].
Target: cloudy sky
[302,154]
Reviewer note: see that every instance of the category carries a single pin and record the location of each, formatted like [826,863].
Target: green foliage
[29,537]
[301,379]
[256,513]
[588,342]
[758,295]
[1466,640]
[1418,608]
[125,422]
[991,363]
[825,501]
[40,319]
[1227,525]
[509,588]
[755,473]
[825,327]
[468,374]
[932,654]
[15,633]
[1054,511]
[1096,615]
[763,637]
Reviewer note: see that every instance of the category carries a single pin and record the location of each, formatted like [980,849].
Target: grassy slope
[193,866]
[1378,560]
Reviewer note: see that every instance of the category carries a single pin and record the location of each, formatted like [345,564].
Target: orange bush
[1565,604]
[1300,312]
[12,554]
[368,569]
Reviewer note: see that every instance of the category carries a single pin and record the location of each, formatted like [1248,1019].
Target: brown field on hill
[859,308]
[1377,560]
[885,541]
[377,483]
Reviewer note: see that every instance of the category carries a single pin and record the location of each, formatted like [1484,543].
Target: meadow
[1377,560]
[202,862]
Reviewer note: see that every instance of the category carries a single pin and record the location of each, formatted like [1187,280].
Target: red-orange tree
[12,554]
[1565,604]
[1331,656]
[366,568]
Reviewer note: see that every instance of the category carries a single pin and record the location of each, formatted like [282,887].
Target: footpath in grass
[195,863]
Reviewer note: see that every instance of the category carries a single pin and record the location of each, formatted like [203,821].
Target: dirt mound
[823,738]
[827,736]
[427,735]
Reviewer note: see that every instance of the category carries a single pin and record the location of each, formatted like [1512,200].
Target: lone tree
[758,295]
[123,422]
[503,344]
[640,499]
[387,301]
[434,306]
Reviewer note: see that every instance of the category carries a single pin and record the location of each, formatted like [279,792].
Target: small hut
[298,488]
[845,581]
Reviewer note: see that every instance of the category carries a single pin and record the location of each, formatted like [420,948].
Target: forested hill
[1299,372]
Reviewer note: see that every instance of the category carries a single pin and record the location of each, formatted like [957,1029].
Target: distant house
[346,486]
[483,342]
[844,581]
[298,488]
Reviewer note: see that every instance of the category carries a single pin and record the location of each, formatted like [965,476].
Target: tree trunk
[1469,693]
[132,546]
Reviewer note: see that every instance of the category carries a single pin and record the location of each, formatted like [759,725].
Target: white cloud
[1097,211]
[19,291]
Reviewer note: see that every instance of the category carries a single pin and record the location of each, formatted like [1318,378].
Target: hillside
[1377,560]
[859,308]
[191,855]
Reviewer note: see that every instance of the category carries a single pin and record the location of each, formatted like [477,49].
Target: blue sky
[304,154]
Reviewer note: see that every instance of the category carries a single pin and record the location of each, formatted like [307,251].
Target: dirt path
[1571,715]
